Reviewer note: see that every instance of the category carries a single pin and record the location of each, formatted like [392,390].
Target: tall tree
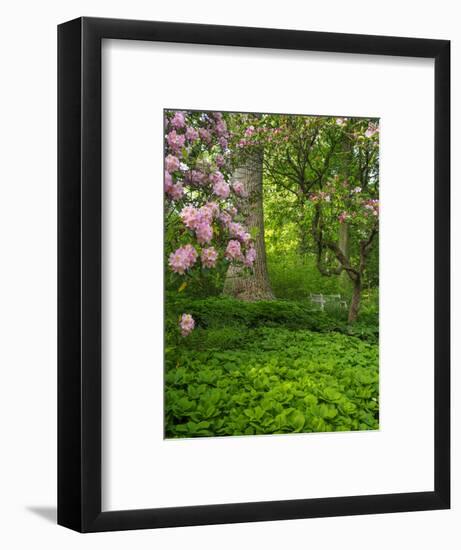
[344,231]
[251,284]
[306,159]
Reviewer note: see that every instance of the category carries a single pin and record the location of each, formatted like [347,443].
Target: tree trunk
[344,234]
[355,302]
[239,283]
[343,243]
[303,243]
[344,239]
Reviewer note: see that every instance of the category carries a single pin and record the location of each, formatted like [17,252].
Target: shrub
[219,312]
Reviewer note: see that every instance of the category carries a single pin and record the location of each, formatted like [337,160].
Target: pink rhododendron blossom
[216,177]
[205,135]
[223,143]
[189,216]
[205,214]
[236,230]
[209,257]
[175,191]
[233,250]
[250,131]
[175,141]
[343,217]
[178,121]
[250,257]
[245,237]
[168,179]
[372,205]
[191,254]
[232,211]
[195,177]
[225,218]
[220,161]
[192,218]
[221,189]
[204,232]
[198,177]
[210,210]
[186,324]
[214,208]
[191,134]
[239,188]
[171,163]
[221,128]
[356,189]
[183,258]
[371,130]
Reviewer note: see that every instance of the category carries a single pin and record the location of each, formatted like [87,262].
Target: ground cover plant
[271,274]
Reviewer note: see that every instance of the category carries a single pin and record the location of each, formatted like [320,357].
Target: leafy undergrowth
[227,312]
[247,374]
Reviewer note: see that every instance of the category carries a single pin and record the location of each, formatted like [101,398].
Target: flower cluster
[372,129]
[171,163]
[239,189]
[233,250]
[220,187]
[186,324]
[174,191]
[372,205]
[250,257]
[209,257]
[320,196]
[182,259]
[237,230]
[344,216]
[198,188]
[176,141]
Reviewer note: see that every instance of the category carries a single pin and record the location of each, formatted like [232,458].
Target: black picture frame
[79,274]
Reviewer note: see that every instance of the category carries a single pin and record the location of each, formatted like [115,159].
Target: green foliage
[233,318]
[281,366]
[295,277]
[271,380]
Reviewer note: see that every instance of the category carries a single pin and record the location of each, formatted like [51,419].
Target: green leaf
[297,420]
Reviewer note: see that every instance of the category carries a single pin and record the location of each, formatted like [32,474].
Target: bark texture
[343,243]
[239,283]
[355,301]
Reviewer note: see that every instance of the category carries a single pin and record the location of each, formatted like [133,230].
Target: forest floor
[268,367]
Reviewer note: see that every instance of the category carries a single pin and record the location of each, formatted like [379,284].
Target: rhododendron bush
[200,197]
[204,229]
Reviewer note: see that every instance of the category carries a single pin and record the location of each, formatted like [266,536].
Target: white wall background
[28,273]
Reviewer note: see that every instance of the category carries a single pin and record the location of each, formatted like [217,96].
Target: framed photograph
[254,274]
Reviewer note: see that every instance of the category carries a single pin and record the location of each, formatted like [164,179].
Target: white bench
[330,299]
